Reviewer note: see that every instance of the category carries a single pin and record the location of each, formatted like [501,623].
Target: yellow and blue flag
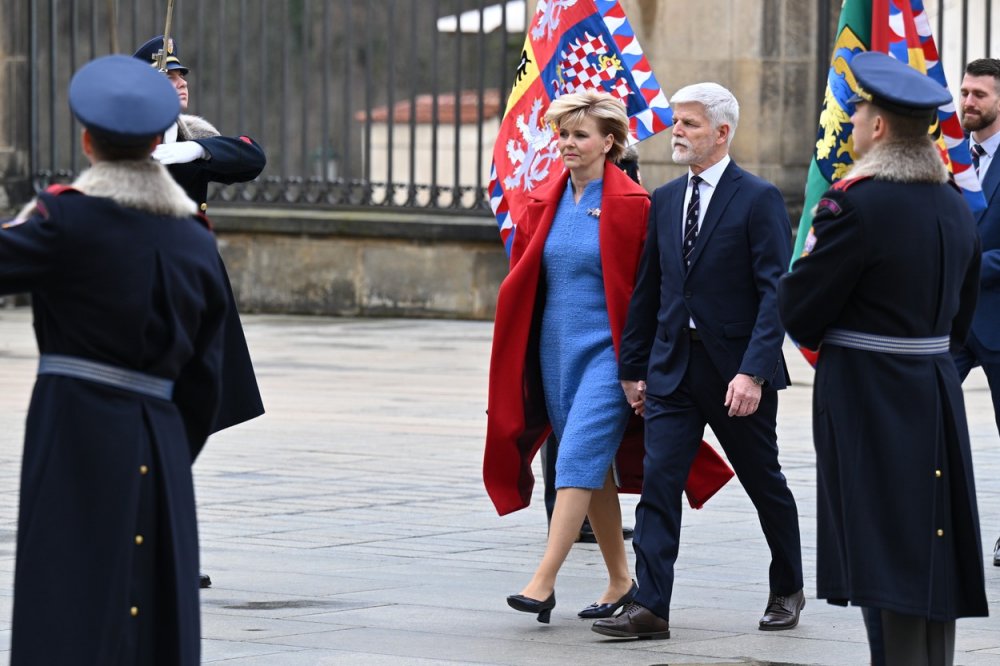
[901,29]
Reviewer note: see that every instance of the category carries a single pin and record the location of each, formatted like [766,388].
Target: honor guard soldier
[887,285]
[195,154]
[130,301]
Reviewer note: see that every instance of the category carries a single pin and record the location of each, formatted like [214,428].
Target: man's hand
[743,396]
[178,153]
[635,393]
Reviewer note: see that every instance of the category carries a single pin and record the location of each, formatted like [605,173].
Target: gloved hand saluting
[179,153]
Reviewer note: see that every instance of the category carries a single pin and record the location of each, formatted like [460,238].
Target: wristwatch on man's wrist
[758,380]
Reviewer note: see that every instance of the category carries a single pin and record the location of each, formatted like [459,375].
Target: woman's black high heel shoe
[608,610]
[529,605]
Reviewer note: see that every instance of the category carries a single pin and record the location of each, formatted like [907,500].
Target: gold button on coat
[138,539]
[940,532]
[937,473]
[143,469]
[134,611]
[204,207]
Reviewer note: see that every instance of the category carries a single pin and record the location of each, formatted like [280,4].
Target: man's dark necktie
[691,221]
[977,152]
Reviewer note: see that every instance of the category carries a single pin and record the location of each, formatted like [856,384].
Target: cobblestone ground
[349,524]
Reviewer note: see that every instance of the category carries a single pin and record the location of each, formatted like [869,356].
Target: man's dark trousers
[674,428]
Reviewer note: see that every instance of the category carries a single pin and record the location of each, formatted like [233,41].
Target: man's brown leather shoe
[782,612]
[634,621]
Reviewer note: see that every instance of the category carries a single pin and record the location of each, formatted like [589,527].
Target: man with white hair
[702,346]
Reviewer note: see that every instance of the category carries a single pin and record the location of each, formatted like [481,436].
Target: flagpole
[987,21]
[822,52]
[113,24]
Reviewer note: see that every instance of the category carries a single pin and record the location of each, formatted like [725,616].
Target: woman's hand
[635,393]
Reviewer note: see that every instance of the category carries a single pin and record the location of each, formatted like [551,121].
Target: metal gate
[356,103]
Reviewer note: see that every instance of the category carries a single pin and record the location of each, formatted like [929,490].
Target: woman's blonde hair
[569,111]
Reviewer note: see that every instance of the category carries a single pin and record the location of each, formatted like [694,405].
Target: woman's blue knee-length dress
[584,399]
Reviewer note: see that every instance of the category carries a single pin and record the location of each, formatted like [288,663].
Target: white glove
[179,153]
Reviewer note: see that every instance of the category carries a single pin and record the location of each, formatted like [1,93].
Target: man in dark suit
[702,346]
[980,104]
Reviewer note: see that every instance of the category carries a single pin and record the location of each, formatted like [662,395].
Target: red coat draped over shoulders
[517,421]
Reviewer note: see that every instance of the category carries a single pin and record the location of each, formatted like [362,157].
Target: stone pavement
[349,525]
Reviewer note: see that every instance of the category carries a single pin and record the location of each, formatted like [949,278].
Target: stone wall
[370,263]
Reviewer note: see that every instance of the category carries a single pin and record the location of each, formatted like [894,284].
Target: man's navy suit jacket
[730,291]
[986,323]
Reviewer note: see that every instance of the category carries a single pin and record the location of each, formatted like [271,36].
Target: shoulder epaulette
[59,188]
[844,183]
[828,204]
[201,217]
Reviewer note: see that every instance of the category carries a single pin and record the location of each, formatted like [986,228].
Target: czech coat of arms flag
[570,45]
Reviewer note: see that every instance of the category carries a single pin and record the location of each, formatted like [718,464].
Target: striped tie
[691,221]
[977,152]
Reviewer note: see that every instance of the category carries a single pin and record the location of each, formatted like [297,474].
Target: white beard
[685,158]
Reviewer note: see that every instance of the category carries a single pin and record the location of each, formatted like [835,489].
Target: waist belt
[102,373]
[886,343]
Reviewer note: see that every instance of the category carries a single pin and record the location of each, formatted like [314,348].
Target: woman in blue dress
[583,234]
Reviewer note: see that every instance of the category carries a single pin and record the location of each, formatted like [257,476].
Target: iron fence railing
[357,103]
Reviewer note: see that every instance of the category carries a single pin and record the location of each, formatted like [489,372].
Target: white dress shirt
[710,181]
[706,188]
[990,146]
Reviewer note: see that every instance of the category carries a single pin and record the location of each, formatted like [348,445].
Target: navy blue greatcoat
[107,543]
[897,522]
[233,160]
